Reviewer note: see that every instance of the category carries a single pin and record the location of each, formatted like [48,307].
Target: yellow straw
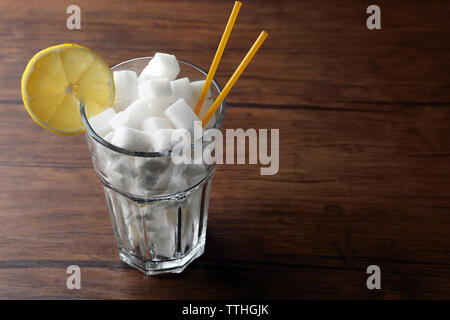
[218,56]
[235,77]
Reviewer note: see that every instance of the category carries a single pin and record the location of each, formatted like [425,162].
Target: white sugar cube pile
[154,101]
[152,112]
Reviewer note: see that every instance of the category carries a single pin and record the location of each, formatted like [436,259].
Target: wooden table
[364,153]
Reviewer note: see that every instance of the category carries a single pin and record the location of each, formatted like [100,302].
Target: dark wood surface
[364,153]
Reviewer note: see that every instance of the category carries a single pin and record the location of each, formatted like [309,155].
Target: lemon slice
[57,79]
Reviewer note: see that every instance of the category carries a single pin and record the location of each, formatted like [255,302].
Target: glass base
[150,268]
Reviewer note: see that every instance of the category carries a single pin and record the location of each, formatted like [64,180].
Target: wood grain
[364,153]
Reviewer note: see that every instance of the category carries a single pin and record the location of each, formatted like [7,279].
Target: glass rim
[115,148]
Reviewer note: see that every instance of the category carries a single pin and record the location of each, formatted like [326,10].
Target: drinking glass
[158,209]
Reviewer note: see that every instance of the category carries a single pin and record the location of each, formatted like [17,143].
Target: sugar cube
[131,139]
[153,165]
[182,116]
[168,139]
[133,235]
[155,89]
[123,119]
[108,137]
[197,87]
[158,230]
[137,112]
[182,88]
[158,106]
[177,183]
[130,211]
[120,171]
[190,220]
[126,83]
[147,182]
[162,65]
[196,170]
[121,165]
[153,124]
[100,121]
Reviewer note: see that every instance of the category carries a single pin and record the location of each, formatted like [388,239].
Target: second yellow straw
[248,57]
[216,60]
